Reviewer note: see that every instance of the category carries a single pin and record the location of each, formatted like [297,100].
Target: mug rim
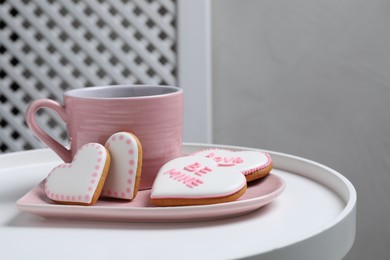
[76,93]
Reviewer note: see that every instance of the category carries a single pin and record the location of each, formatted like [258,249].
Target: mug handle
[32,109]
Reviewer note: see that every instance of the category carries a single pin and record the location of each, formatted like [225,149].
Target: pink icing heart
[81,181]
[124,175]
[245,161]
[196,178]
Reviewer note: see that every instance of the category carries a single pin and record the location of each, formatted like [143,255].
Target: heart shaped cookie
[81,181]
[194,181]
[125,170]
[253,164]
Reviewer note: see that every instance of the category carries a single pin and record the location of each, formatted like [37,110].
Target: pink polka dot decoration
[81,181]
[124,176]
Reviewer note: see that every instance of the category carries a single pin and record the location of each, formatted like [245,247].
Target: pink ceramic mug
[153,113]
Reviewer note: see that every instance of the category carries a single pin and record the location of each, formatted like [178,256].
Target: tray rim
[252,203]
[349,195]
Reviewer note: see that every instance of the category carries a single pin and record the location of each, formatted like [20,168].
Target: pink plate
[258,194]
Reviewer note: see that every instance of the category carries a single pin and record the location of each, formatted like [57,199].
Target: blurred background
[309,78]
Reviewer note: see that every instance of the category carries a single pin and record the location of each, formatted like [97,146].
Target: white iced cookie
[253,164]
[125,171]
[194,181]
[81,181]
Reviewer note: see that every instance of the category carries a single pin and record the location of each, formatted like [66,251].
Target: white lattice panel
[48,46]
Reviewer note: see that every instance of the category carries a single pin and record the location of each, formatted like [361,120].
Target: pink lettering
[239,160]
[192,167]
[210,155]
[191,181]
[225,161]
[197,169]
[218,159]
[172,172]
[183,178]
[177,176]
[202,171]
[187,180]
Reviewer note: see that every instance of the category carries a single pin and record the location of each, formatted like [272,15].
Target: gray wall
[311,78]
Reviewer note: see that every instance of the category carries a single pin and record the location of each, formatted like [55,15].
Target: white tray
[314,218]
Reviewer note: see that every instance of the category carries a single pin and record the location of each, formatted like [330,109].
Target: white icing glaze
[196,178]
[244,161]
[77,181]
[121,179]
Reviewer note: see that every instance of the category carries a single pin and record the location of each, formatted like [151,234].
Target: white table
[314,218]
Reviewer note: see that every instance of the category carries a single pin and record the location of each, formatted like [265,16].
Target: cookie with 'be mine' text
[194,180]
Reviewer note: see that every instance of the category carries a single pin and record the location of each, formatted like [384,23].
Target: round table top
[313,218]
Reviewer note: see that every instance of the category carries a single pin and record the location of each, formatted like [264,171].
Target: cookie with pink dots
[194,180]
[253,164]
[126,162]
[81,181]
